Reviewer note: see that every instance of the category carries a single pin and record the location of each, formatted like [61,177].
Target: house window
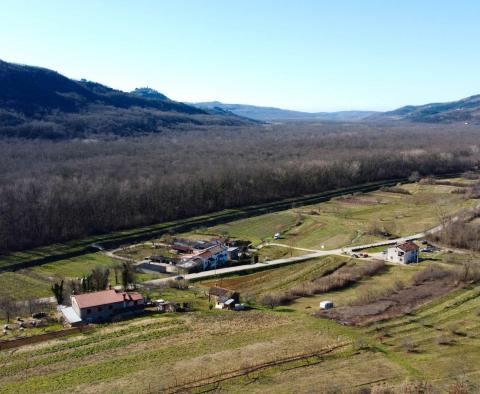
[99,309]
[135,302]
[89,311]
[110,307]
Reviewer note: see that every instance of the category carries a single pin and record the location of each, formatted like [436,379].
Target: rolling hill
[40,103]
[464,110]
[272,114]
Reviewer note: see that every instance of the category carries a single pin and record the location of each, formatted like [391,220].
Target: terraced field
[282,278]
[155,352]
[440,339]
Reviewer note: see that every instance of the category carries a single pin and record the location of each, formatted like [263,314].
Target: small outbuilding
[326,305]
[223,298]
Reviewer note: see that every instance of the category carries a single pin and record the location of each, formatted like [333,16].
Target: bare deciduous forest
[54,191]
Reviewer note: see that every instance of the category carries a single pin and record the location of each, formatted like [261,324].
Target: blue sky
[309,55]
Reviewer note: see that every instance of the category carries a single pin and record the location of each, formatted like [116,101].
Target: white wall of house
[217,260]
[397,255]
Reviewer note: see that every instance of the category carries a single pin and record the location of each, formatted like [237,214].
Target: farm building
[182,248]
[104,305]
[213,257]
[190,265]
[223,298]
[405,253]
[233,252]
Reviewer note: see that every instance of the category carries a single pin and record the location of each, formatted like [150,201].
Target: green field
[351,220]
[36,281]
[152,353]
[437,343]
[21,285]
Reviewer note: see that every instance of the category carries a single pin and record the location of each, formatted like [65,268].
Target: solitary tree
[57,290]
[8,306]
[128,274]
[270,300]
[100,277]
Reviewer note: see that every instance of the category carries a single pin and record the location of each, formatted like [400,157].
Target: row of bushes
[466,272]
[339,279]
[396,189]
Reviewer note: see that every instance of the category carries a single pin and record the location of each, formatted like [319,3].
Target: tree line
[58,191]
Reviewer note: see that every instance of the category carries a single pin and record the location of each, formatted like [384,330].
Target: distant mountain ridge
[271,114]
[38,102]
[464,110]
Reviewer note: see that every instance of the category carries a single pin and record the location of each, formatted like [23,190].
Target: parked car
[179,277]
[354,255]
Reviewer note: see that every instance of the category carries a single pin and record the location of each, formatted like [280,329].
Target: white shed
[326,304]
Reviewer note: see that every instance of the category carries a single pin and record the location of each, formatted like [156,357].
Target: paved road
[248,267]
[297,259]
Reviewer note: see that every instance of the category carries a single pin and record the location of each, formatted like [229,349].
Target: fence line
[218,378]
[13,343]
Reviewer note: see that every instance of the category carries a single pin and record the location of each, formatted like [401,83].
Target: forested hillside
[57,191]
[40,103]
[464,110]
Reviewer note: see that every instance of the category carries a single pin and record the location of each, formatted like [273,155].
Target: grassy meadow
[352,219]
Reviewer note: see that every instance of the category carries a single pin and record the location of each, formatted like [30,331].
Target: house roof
[219,291]
[408,246]
[190,263]
[182,248]
[104,297]
[212,251]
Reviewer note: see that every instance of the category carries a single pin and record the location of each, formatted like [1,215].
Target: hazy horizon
[308,55]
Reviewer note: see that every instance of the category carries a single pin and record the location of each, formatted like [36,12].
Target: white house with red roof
[404,253]
[102,305]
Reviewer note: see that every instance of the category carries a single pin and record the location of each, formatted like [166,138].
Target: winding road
[345,251]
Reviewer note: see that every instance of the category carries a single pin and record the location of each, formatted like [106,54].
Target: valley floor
[282,349]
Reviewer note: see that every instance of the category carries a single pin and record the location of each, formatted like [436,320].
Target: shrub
[455,329]
[396,189]
[443,340]
[408,345]
[178,284]
[430,273]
